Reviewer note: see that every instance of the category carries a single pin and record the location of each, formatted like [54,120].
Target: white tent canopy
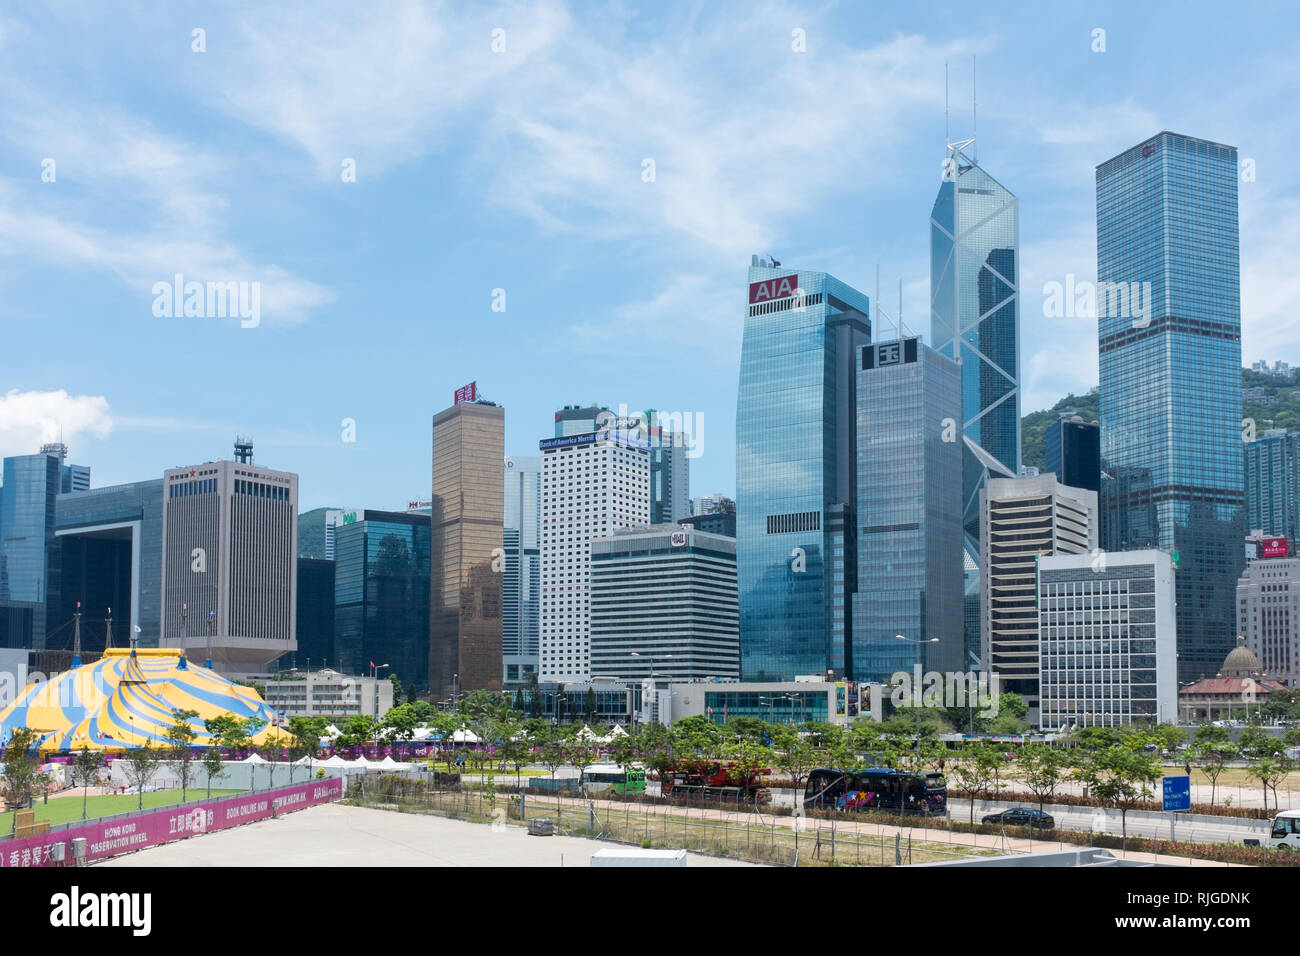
[335,761]
[465,736]
[253,758]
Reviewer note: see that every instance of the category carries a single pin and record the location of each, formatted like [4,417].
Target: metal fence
[748,834]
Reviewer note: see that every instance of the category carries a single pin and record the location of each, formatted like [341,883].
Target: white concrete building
[1107,639]
[1022,519]
[592,484]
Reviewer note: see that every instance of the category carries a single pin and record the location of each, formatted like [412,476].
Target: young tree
[1270,771]
[748,762]
[179,750]
[306,733]
[1211,758]
[213,767]
[141,764]
[271,750]
[796,758]
[399,724]
[231,732]
[1125,777]
[356,731]
[85,771]
[972,773]
[1044,767]
[22,776]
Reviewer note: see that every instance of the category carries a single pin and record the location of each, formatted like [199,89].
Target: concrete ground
[336,835]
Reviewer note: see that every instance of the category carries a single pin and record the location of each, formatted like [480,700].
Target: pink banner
[107,838]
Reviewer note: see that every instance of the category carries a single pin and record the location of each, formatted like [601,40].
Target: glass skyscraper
[29,560]
[381,596]
[909,513]
[1273,484]
[1171,374]
[796,471]
[975,320]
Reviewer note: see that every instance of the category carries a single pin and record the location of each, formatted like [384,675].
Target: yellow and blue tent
[129,698]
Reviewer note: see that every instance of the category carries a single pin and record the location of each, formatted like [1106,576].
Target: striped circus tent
[128,698]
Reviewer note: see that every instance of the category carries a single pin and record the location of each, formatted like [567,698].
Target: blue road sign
[1177,792]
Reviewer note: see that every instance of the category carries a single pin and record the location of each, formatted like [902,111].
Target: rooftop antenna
[947,135]
[974,100]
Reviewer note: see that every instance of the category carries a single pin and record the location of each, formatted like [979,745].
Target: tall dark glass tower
[909,513]
[1171,377]
[796,471]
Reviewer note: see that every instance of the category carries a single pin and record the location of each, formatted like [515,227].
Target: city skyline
[377,329]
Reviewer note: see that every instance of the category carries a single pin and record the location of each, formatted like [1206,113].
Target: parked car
[1022,817]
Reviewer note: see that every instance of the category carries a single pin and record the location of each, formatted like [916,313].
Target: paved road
[1226,830]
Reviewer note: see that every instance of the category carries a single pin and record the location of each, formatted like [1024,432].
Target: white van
[1286,830]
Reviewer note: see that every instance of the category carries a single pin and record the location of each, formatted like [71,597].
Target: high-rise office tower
[111,547]
[522,581]
[1169,327]
[1023,519]
[592,484]
[975,318]
[29,556]
[579,419]
[1072,448]
[230,563]
[909,512]
[670,474]
[796,470]
[1273,483]
[381,595]
[1125,669]
[663,604]
[1268,615]
[71,477]
[466,540]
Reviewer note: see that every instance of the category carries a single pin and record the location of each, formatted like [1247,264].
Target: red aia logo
[1148,149]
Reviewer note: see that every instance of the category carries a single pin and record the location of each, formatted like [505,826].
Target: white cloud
[29,419]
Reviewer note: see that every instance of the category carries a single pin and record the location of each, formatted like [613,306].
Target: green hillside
[1274,402]
[1034,425]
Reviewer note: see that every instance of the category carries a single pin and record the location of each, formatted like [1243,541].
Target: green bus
[600,777]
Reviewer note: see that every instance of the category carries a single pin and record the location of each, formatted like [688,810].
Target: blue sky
[522,170]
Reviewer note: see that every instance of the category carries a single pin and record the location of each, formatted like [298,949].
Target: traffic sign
[1177,793]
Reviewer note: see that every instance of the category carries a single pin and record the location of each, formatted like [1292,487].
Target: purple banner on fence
[155,827]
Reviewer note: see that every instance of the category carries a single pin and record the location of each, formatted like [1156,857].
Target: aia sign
[1274,548]
[770,289]
[466,393]
[1148,149]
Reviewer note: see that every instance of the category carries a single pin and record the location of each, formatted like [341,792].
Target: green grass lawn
[67,808]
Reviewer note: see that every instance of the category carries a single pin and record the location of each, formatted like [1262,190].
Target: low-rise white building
[327,693]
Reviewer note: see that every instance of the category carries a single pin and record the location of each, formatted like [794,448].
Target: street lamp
[653,659]
[374,676]
[916,697]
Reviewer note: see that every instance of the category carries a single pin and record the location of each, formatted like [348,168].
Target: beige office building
[467,556]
